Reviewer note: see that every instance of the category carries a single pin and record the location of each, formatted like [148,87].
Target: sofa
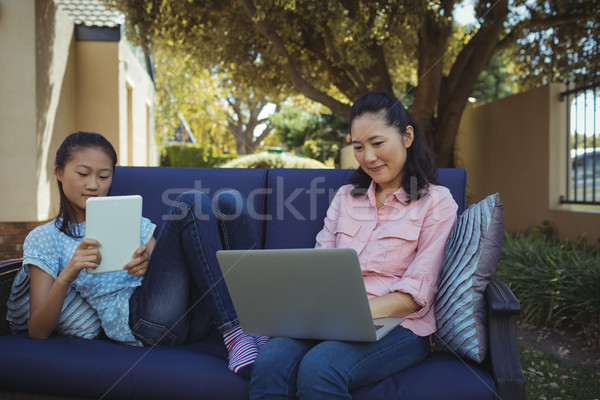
[290,205]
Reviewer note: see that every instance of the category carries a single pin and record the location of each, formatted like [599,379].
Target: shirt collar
[400,194]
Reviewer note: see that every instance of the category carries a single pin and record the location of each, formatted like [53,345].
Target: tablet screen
[115,222]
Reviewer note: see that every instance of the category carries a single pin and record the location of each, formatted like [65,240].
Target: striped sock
[242,351]
[261,340]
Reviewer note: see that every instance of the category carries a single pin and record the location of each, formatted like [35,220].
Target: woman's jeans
[183,293]
[290,368]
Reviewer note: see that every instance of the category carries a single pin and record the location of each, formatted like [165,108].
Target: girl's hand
[87,255]
[139,264]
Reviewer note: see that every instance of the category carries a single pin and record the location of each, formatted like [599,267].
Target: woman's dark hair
[419,169]
[65,221]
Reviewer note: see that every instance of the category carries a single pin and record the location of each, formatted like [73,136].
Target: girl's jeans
[290,368]
[183,293]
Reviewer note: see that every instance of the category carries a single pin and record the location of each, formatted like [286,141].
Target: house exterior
[65,66]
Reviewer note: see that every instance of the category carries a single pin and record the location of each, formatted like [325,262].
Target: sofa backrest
[298,199]
[159,187]
[289,205]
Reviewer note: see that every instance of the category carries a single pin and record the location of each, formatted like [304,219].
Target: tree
[244,119]
[206,103]
[294,126]
[186,98]
[333,51]
[496,80]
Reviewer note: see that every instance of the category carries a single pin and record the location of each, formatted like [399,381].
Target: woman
[398,221]
[170,293]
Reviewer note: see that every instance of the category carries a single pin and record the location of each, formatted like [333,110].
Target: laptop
[301,293]
[115,222]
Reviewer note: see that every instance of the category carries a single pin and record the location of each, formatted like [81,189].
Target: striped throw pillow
[470,260]
[77,317]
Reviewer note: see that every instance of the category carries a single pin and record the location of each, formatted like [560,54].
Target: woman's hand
[87,255]
[139,264]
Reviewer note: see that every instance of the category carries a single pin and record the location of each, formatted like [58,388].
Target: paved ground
[568,345]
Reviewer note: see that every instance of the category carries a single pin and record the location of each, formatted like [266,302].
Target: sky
[464,13]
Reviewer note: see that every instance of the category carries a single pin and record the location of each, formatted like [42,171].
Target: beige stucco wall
[133,74]
[516,147]
[52,85]
[32,82]
[17,119]
[55,107]
[97,89]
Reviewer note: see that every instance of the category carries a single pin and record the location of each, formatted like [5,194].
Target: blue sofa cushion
[470,260]
[197,371]
[297,203]
[439,376]
[455,179]
[159,187]
[102,368]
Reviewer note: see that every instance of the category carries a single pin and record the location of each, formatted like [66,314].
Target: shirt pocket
[397,246]
[346,233]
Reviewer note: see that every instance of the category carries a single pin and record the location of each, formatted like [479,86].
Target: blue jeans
[290,368]
[183,294]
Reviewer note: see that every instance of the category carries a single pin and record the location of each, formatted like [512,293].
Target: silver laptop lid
[300,293]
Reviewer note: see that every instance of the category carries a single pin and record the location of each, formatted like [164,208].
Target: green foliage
[192,156]
[581,141]
[495,81]
[555,282]
[322,150]
[268,160]
[547,54]
[316,135]
[295,125]
[180,80]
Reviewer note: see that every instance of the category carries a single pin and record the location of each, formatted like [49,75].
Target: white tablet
[115,222]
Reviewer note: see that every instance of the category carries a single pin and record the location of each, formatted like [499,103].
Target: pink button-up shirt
[400,246]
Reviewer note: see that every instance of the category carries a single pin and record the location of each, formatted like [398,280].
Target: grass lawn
[546,378]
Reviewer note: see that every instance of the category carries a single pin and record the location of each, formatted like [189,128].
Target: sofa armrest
[503,310]
[8,270]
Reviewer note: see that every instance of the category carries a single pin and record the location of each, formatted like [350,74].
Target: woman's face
[380,149]
[87,174]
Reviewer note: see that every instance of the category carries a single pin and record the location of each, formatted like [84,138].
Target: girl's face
[87,174]
[380,150]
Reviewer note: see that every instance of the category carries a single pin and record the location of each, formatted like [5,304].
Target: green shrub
[269,160]
[315,149]
[192,156]
[556,282]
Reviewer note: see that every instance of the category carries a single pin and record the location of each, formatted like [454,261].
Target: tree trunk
[433,37]
[441,123]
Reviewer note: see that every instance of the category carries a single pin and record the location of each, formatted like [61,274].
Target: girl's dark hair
[419,169]
[65,221]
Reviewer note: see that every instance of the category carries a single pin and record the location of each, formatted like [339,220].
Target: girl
[398,222]
[169,294]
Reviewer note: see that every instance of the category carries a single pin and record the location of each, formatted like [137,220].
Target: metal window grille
[582,171]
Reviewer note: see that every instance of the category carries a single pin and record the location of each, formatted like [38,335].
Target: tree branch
[433,37]
[475,55]
[342,77]
[380,69]
[537,24]
[288,66]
